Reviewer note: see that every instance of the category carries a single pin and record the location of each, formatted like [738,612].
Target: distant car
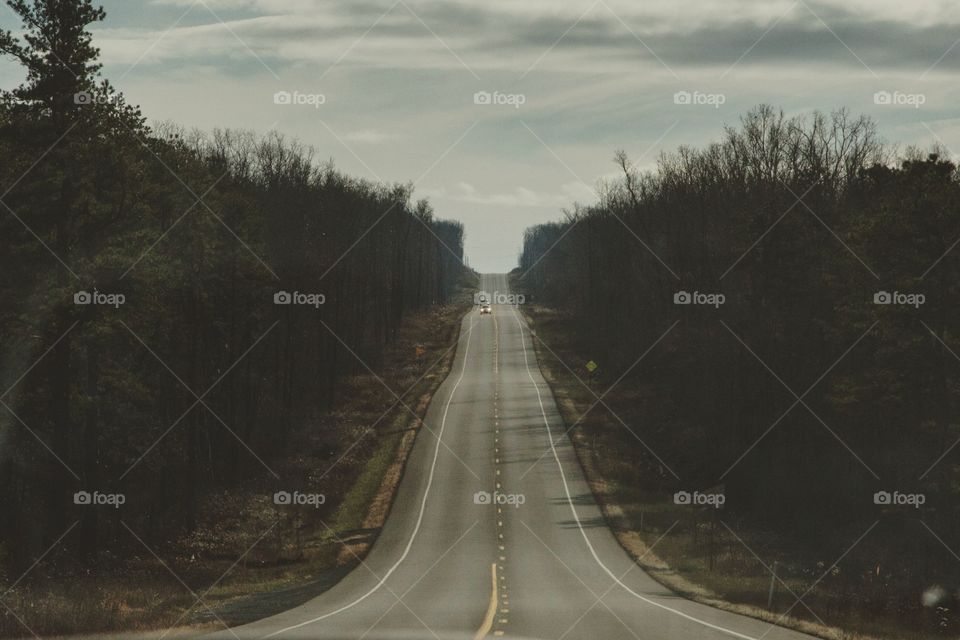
[485,309]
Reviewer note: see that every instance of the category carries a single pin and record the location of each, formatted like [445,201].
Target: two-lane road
[452,564]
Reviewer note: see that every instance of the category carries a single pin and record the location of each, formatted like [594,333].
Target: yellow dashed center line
[504,600]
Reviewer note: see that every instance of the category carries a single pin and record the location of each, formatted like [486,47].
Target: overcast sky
[577,80]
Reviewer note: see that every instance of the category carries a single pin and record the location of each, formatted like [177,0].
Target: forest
[179,308]
[774,318]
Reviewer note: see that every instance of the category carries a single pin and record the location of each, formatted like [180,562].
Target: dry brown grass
[380,505]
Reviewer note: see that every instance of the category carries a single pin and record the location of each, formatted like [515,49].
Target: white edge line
[423,506]
[576,517]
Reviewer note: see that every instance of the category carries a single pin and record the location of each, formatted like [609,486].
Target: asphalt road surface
[451,563]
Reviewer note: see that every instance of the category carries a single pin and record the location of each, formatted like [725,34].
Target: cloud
[507,35]
[371,136]
[520,197]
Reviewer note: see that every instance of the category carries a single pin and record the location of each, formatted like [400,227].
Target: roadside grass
[706,554]
[245,546]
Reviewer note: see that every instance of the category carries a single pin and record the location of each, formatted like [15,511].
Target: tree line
[175,305]
[825,374]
